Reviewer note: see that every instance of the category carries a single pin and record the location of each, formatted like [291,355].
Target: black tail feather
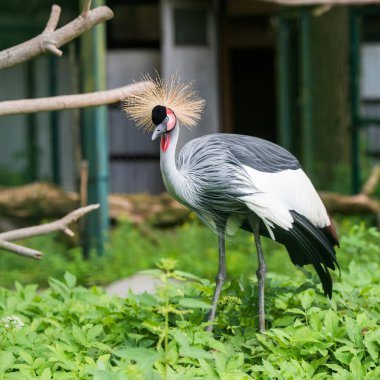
[310,246]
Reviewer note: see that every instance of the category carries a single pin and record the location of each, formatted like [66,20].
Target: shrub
[72,332]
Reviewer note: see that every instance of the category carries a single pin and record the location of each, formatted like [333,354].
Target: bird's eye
[166,119]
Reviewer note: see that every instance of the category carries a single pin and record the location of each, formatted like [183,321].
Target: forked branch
[58,225]
[51,39]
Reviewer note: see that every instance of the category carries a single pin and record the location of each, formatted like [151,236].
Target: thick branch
[56,103]
[349,204]
[59,225]
[50,39]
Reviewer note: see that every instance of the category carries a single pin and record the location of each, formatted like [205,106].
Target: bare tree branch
[58,225]
[53,19]
[51,39]
[56,103]
[20,250]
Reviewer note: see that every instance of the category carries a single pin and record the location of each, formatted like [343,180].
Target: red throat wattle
[165,140]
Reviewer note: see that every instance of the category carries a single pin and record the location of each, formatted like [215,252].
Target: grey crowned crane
[234,181]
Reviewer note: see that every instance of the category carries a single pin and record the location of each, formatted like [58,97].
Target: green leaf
[79,335]
[70,280]
[26,357]
[307,298]
[210,342]
[372,343]
[146,299]
[6,361]
[266,368]
[220,363]
[46,374]
[235,362]
[209,369]
[295,311]
[194,352]
[343,355]
[180,337]
[356,368]
[193,303]
[331,322]
[354,332]
[143,356]
[94,331]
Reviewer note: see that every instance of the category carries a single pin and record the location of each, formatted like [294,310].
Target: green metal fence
[320,105]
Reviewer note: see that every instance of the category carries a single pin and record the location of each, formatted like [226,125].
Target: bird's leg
[261,271]
[220,278]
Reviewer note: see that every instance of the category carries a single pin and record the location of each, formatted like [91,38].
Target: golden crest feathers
[180,97]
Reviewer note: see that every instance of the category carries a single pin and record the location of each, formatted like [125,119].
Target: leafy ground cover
[74,332]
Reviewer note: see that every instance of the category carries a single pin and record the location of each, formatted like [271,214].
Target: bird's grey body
[225,177]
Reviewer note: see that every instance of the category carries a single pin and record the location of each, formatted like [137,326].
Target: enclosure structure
[305,77]
[52,146]
[329,95]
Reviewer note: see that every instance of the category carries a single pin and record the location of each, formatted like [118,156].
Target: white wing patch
[278,193]
[270,209]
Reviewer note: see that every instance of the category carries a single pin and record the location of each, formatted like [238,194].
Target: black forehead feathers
[158,114]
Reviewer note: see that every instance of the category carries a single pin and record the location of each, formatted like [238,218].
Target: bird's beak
[161,128]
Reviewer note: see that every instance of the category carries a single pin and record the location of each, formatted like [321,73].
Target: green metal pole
[355,98]
[306,91]
[95,134]
[283,77]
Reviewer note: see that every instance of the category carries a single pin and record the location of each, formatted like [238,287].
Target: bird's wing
[285,191]
[260,154]
[279,184]
[226,169]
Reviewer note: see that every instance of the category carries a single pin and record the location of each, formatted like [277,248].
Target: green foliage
[68,331]
[72,332]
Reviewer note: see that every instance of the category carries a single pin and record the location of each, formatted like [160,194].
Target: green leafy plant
[73,332]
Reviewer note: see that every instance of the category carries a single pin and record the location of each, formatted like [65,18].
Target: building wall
[134,158]
[23,81]
[370,96]
[194,58]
